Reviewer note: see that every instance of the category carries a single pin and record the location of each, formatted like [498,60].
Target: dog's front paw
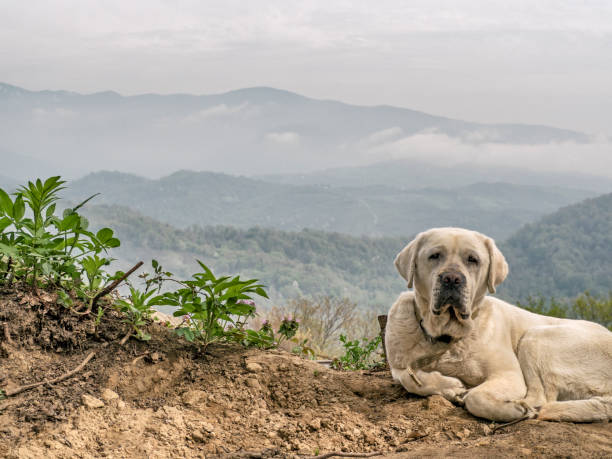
[523,409]
[455,395]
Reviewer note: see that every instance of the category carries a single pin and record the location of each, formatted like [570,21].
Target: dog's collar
[446,339]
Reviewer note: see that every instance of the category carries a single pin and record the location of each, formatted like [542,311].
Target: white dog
[449,338]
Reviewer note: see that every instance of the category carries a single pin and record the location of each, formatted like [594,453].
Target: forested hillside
[563,254]
[291,264]
[205,198]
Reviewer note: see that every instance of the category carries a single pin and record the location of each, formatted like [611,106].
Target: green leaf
[84,223]
[104,235]
[50,211]
[261,292]
[186,333]
[6,204]
[18,208]
[113,242]
[9,250]
[4,223]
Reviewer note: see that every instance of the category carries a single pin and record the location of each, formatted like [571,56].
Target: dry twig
[17,390]
[125,338]
[343,454]
[113,286]
[7,334]
[107,290]
[516,421]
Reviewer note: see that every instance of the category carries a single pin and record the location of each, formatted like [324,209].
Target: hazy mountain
[205,198]
[248,131]
[564,253]
[411,174]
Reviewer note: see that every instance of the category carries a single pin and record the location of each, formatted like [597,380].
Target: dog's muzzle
[451,287]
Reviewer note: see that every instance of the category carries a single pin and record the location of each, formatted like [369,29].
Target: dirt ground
[166,399]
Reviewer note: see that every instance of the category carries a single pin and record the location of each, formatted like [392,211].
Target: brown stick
[382,321]
[17,390]
[125,338]
[107,290]
[113,286]
[7,334]
[516,421]
[342,454]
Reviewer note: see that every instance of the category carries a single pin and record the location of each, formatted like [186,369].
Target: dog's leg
[425,383]
[590,410]
[495,399]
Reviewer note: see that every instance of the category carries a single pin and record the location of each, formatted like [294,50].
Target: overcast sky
[546,62]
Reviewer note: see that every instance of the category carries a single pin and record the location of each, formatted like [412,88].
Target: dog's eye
[434,256]
[472,259]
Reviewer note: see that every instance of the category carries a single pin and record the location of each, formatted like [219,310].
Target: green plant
[357,356]
[215,308]
[40,248]
[137,307]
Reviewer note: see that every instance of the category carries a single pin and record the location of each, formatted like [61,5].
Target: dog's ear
[405,261]
[498,268]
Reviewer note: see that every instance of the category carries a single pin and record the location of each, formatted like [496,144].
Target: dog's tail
[590,410]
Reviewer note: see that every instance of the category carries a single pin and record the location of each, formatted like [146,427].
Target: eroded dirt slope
[166,399]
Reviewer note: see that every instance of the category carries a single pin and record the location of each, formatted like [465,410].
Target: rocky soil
[165,399]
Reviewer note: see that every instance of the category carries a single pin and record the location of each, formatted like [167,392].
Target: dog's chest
[459,362]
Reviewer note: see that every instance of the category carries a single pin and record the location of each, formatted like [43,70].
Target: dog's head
[451,270]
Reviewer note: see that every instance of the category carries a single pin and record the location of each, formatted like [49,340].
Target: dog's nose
[452,279]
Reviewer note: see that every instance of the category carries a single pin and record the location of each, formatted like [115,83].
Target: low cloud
[287,138]
[216,111]
[589,158]
[58,112]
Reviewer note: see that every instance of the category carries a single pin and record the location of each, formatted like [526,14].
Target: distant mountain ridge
[411,175]
[247,131]
[205,198]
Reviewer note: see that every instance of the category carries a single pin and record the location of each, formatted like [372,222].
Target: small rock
[485,429]
[438,403]
[252,382]
[194,397]
[199,436]
[162,374]
[52,444]
[108,395]
[463,434]
[91,402]
[254,367]
[121,404]
[315,424]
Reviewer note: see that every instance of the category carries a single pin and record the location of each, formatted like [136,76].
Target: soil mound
[165,398]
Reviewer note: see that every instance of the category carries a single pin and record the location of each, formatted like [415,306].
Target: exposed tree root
[343,454]
[19,389]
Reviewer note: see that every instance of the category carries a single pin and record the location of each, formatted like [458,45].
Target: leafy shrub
[212,305]
[357,356]
[585,307]
[42,249]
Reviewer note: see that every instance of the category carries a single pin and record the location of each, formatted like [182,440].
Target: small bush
[357,356]
[584,307]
